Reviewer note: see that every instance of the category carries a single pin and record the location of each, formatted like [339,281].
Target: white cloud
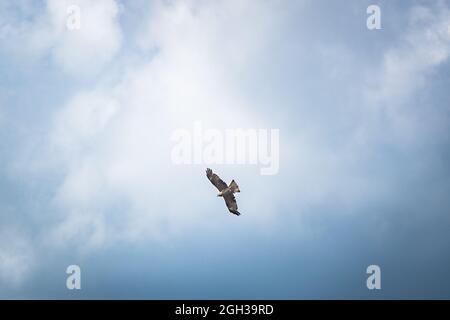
[113,142]
[16,258]
[82,52]
[426,45]
[91,47]
[406,70]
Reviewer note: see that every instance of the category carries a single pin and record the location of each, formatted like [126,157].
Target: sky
[86,177]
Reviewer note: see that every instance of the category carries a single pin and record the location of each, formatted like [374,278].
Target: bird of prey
[227,192]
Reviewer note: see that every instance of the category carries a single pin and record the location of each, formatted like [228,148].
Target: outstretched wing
[215,180]
[230,201]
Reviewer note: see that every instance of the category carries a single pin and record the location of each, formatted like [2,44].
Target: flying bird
[227,192]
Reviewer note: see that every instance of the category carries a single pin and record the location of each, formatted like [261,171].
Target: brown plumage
[227,192]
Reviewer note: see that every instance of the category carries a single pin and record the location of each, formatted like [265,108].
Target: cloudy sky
[86,177]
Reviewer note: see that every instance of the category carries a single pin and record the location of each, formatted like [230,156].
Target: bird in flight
[227,192]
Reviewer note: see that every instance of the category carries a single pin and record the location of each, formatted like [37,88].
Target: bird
[227,192]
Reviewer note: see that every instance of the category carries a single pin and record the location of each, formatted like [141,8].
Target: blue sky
[85,171]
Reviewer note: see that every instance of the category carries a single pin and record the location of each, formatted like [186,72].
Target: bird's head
[219,194]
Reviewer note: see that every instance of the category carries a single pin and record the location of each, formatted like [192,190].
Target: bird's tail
[234,187]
